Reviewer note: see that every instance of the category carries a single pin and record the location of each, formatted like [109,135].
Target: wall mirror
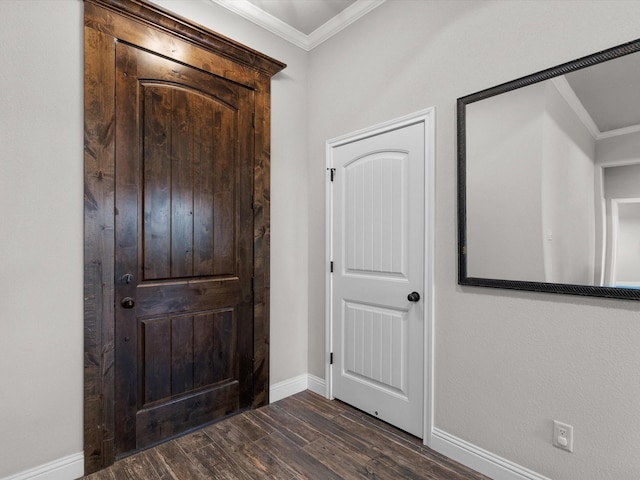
[549,179]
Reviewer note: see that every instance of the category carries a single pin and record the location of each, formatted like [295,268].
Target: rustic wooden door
[183,248]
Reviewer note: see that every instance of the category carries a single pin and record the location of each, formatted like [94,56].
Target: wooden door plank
[226,174]
[188,296]
[126,247]
[225,328]
[261,243]
[156,375]
[155,424]
[203,178]
[203,350]
[156,164]
[182,355]
[98,250]
[181,184]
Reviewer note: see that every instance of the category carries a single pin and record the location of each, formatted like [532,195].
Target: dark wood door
[184,248]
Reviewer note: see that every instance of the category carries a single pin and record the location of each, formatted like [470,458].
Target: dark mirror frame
[463,278]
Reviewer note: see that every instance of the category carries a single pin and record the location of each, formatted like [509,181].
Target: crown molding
[565,90]
[267,21]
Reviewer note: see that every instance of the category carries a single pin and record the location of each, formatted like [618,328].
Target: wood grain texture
[163,20]
[98,250]
[154,361]
[261,243]
[107,23]
[303,436]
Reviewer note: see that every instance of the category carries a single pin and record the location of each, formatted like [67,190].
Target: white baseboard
[317,385]
[289,387]
[294,385]
[65,468]
[479,459]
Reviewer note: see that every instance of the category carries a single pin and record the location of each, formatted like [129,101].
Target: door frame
[614,222]
[427,119]
[151,28]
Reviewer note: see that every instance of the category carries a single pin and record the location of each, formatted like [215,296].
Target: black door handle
[413,297]
[127,302]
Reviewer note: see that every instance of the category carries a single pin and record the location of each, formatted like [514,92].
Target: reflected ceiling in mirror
[549,179]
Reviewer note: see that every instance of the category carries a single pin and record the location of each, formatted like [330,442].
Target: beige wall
[507,363]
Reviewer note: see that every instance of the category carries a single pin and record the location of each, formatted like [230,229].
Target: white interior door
[378,253]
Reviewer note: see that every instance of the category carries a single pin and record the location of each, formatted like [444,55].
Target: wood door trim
[151,28]
[160,19]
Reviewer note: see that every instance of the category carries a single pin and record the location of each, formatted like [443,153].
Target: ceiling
[305,23]
[608,103]
[306,16]
[610,92]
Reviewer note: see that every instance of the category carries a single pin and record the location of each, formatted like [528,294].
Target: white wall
[41,309]
[505,151]
[507,363]
[568,194]
[41,220]
[622,181]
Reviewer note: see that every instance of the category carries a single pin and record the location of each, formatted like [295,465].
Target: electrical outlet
[563,436]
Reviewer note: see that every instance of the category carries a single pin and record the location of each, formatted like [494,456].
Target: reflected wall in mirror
[549,179]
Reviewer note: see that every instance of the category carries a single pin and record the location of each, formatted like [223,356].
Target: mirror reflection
[551,178]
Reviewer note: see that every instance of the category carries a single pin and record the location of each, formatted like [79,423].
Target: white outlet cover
[563,436]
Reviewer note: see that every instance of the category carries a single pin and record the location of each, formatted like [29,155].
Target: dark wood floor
[303,436]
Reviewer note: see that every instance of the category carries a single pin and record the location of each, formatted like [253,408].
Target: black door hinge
[331,358]
[331,266]
[332,171]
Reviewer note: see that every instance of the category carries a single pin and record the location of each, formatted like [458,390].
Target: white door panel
[378,253]
[373,203]
[372,338]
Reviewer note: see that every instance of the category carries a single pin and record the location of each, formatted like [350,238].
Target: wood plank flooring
[303,436]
